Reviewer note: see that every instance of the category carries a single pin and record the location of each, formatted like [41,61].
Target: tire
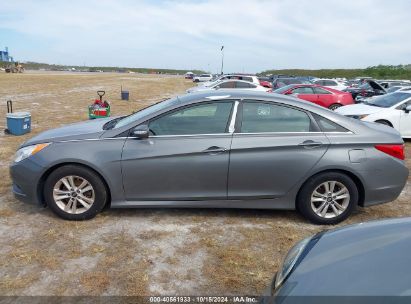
[334,106]
[344,206]
[384,122]
[80,202]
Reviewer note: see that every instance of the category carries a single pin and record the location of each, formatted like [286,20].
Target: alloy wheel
[330,199]
[73,194]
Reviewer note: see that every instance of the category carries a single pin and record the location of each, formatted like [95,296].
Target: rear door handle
[215,150]
[310,144]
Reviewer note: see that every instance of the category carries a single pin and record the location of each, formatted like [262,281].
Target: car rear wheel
[75,193]
[334,106]
[328,198]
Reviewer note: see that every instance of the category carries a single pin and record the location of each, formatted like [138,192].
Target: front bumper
[26,176]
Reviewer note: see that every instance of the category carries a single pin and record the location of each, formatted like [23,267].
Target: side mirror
[407,109]
[140,132]
[217,87]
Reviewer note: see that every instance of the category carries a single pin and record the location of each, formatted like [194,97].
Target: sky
[182,34]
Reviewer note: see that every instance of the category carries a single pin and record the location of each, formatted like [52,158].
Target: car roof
[239,80]
[254,95]
[313,85]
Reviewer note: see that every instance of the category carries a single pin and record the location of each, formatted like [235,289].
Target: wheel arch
[384,120]
[359,184]
[43,178]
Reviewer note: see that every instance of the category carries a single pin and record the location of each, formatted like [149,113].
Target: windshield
[284,89]
[388,100]
[146,111]
[393,89]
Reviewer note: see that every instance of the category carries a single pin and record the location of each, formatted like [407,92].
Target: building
[4,55]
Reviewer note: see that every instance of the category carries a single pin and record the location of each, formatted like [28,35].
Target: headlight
[289,261]
[25,152]
[362,116]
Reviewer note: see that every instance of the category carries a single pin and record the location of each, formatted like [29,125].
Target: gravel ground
[136,251]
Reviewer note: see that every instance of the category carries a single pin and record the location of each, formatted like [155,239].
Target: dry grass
[135,252]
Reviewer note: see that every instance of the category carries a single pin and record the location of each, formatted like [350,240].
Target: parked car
[361,263]
[202,77]
[248,78]
[368,89]
[282,82]
[230,84]
[386,84]
[274,77]
[330,83]
[189,75]
[231,149]
[323,96]
[265,82]
[391,109]
[398,88]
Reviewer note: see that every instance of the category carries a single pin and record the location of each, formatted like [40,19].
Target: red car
[320,95]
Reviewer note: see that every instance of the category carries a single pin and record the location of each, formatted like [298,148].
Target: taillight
[396,151]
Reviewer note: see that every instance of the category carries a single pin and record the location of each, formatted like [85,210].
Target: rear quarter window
[327,125]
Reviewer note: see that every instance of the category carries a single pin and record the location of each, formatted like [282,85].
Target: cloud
[188,34]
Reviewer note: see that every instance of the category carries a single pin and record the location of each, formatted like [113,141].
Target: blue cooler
[19,123]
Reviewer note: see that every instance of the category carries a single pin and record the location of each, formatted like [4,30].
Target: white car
[398,89]
[202,78]
[230,84]
[249,78]
[391,109]
[330,83]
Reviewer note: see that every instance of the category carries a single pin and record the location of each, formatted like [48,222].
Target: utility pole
[222,59]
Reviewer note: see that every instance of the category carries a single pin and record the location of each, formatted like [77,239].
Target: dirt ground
[136,251]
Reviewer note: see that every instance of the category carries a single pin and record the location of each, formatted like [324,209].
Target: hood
[371,259]
[358,109]
[82,130]
[372,84]
[376,86]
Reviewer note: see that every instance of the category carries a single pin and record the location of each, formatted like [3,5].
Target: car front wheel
[75,192]
[328,198]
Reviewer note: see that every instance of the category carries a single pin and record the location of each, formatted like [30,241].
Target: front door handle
[310,144]
[215,150]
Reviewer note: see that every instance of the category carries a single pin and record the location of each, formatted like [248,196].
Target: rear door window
[303,90]
[228,85]
[321,91]
[261,117]
[244,85]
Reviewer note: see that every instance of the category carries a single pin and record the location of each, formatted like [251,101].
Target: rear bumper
[385,186]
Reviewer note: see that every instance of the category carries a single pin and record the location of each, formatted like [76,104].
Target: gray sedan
[230,150]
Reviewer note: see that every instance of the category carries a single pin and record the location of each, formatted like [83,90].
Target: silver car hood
[82,130]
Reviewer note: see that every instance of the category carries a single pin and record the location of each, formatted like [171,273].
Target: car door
[405,120]
[273,148]
[305,93]
[324,97]
[184,158]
